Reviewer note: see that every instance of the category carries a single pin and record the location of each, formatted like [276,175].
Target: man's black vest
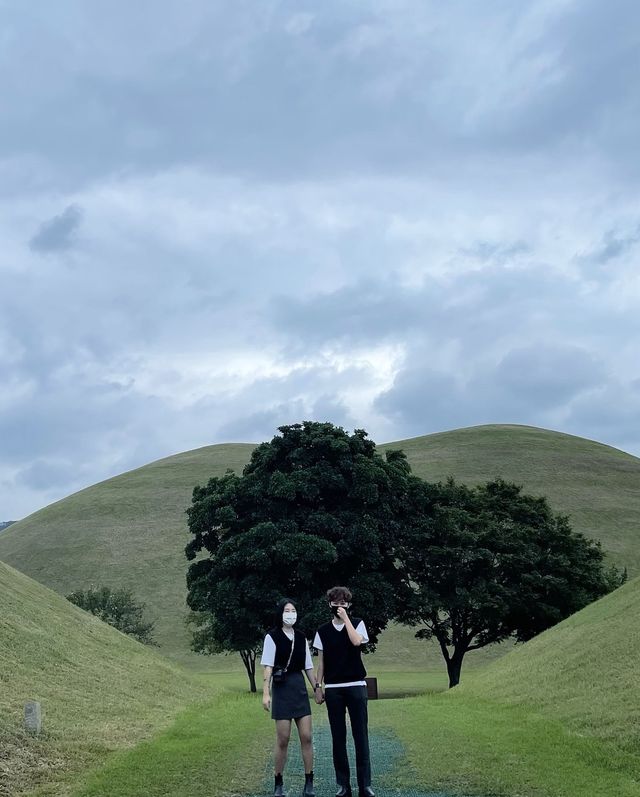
[283,649]
[342,659]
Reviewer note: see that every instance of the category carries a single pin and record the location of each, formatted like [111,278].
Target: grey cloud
[78,427]
[47,475]
[529,385]
[422,400]
[259,426]
[546,375]
[471,307]
[58,233]
[613,246]
[366,88]
[328,408]
[259,183]
[609,414]
[75,416]
[365,311]
[303,394]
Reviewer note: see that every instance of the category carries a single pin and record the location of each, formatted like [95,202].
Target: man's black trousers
[353,699]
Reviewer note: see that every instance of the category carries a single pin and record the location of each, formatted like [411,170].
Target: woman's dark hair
[280,609]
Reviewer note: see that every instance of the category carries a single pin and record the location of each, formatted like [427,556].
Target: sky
[405,216]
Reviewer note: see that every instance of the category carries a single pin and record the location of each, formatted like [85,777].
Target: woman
[286,648]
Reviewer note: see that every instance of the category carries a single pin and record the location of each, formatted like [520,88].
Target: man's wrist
[317,686]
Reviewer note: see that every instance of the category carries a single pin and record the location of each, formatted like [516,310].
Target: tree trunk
[252,679]
[454,666]
[249,661]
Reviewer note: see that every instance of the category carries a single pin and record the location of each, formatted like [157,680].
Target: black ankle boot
[308,790]
[278,787]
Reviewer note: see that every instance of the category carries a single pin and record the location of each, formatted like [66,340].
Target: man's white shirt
[269,652]
[362,631]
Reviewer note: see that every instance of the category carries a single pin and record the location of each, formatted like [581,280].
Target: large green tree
[314,507]
[488,563]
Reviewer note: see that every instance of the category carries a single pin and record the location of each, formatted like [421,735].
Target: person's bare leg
[306,745]
[283,733]
[306,741]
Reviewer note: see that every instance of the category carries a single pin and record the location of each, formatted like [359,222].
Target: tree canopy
[117,608]
[488,563]
[314,507]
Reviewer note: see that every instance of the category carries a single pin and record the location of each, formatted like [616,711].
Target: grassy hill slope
[583,671]
[99,689]
[127,531]
[131,531]
[558,716]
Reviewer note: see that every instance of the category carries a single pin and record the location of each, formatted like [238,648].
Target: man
[340,665]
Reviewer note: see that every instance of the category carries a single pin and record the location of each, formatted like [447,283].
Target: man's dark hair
[339,594]
[280,609]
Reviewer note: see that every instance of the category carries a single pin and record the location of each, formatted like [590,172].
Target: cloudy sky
[402,215]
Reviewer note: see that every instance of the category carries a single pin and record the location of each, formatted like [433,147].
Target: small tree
[490,563]
[117,608]
[314,507]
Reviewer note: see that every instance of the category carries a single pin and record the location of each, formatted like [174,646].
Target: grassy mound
[99,689]
[583,671]
[130,531]
[559,716]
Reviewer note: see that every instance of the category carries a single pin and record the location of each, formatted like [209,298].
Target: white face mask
[289,618]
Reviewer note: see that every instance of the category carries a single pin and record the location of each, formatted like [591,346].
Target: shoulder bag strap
[293,642]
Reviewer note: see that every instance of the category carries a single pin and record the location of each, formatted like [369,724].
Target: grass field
[455,742]
[557,717]
[99,689]
[582,672]
[130,530]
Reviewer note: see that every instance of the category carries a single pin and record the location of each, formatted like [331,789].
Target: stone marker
[33,717]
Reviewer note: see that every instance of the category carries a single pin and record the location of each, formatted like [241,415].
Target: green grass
[583,672]
[559,716]
[215,749]
[100,690]
[464,745]
[130,531]
[454,741]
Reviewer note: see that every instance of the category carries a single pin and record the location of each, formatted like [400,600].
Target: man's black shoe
[278,789]
[366,792]
[343,791]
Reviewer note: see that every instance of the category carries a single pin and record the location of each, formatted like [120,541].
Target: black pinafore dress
[289,698]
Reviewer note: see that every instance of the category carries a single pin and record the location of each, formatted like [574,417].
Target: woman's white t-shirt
[269,652]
